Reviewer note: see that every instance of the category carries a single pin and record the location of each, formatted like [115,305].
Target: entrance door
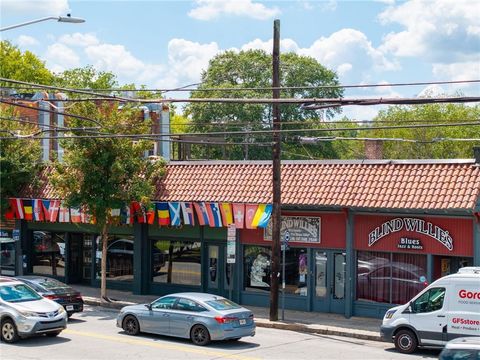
[75,258]
[329,281]
[217,277]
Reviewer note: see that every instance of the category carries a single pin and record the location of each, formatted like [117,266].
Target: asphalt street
[94,335]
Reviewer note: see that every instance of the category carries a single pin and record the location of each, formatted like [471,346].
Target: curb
[311,329]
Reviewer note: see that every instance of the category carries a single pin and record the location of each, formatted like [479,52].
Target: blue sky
[166,44]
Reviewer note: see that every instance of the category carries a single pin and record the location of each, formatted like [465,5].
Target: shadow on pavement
[422,352]
[37,341]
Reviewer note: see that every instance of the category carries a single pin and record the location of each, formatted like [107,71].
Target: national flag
[202,215]
[175,210]
[126,215]
[187,211]
[51,208]
[139,212]
[64,213]
[163,213]
[87,217]
[17,207]
[76,214]
[262,215]
[9,213]
[250,211]
[38,213]
[238,215]
[227,214]
[28,209]
[114,216]
[150,213]
[214,216]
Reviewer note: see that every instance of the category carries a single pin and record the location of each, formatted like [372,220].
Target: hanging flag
[214,216]
[38,210]
[86,217]
[17,206]
[238,215]
[114,216]
[53,210]
[259,215]
[163,214]
[250,210]
[150,213]
[175,210]
[139,212]
[187,211]
[64,213]
[76,215]
[126,215]
[265,217]
[202,215]
[227,214]
[10,213]
[28,209]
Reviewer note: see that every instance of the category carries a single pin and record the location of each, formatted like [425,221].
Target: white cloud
[330,5]
[37,7]
[24,40]
[448,32]
[286,45]
[60,57]
[79,39]
[457,71]
[114,58]
[211,9]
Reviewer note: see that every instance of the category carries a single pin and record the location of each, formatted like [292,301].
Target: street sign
[16,234]
[231,243]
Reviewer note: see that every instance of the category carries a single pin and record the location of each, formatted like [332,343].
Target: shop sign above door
[301,229]
[419,226]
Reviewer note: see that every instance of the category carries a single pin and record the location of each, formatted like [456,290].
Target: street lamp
[67,19]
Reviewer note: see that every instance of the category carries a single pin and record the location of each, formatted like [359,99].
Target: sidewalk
[310,322]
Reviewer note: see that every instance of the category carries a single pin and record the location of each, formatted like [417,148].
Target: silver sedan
[199,316]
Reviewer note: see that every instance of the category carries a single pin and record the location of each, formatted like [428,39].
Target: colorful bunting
[38,212]
[187,211]
[265,217]
[114,216]
[28,209]
[64,213]
[227,214]
[126,215]
[51,208]
[150,213]
[214,216]
[238,215]
[250,210]
[163,214]
[75,215]
[140,212]
[17,206]
[202,215]
[175,210]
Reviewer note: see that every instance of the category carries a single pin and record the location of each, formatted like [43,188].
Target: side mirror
[410,308]
[148,306]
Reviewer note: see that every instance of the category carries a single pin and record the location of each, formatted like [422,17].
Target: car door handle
[190,317]
[440,315]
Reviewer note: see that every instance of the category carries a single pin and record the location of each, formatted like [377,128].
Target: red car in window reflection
[394,283]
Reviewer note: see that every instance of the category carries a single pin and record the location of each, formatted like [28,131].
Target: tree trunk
[103,288]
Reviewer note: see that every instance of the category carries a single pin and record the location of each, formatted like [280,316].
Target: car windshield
[50,283]
[18,293]
[222,304]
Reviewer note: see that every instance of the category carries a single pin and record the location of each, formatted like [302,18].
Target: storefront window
[257,269]
[390,278]
[446,265]
[48,253]
[119,258]
[7,254]
[176,262]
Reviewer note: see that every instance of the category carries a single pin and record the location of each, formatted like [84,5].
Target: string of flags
[213,214]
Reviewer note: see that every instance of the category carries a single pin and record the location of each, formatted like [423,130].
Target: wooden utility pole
[275,263]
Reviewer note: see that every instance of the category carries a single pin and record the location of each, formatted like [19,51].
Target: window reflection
[119,258]
[48,253]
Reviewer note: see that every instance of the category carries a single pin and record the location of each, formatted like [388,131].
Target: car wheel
[406,341]
[9,331]
[69,315]
[200,335]
[53,334]
[131,325]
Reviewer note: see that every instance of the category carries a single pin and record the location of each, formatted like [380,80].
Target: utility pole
[275,265]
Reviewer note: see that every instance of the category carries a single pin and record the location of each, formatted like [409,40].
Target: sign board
[231,243]
[302,229]
[16,234]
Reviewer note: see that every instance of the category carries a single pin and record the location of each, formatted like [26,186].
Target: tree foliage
[253,69]
[22,66]
[19,158]
[86,78]
[106,173]
[427,147]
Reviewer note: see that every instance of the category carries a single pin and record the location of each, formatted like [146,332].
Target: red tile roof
[427,184]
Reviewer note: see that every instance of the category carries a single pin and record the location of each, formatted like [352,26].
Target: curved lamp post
[66,19]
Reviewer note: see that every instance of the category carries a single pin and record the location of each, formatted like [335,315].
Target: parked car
[24,312]
[57,291]
[463,348]
[199,316]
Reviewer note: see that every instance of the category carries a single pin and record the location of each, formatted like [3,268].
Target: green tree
[108,172]
[428,147]
[22,66]
[253,69]
[86,78]
[19,158]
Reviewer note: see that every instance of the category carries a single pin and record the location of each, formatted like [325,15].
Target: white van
[448,308]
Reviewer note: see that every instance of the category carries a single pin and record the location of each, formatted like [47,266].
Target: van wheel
[406,341]
[200,335]
[9,332]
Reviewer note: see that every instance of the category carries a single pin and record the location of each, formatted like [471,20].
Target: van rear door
[464,315]
[428,316]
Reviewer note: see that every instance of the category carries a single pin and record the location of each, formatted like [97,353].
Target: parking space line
[128,340]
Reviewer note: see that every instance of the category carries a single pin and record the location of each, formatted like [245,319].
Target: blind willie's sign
[411,224]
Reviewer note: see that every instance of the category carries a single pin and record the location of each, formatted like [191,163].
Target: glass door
[217,280]
[75,258]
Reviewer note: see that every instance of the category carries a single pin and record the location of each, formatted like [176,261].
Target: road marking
[128,340]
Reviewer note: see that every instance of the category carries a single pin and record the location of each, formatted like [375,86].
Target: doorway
[218,272]
[329,269]
[75,255]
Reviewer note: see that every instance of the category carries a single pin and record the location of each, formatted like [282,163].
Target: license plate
[243,321]
[69,307]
